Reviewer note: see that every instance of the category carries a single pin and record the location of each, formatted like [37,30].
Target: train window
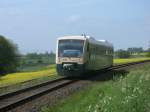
[107,52]
[70,48]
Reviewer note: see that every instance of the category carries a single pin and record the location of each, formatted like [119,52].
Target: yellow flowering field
[120,61]
[19,77]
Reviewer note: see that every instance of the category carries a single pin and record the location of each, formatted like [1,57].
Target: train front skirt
[70,69]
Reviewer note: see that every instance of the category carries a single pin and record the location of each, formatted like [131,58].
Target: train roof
[100,42]
[89,38]
[72,37]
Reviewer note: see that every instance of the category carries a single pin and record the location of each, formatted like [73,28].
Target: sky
[35,25]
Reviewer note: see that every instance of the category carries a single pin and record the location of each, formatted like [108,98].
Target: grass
[129,93]
[19,77]
[121,61]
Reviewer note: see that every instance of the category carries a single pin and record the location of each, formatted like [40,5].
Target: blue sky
[35,24]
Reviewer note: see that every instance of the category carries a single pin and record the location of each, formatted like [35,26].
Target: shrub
[123,54]
[8,56]
[148,53]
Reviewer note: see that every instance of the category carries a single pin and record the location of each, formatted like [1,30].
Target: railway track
[15,99]
[128,64]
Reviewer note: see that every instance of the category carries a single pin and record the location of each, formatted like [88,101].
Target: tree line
[38,58]
[11,59]
[132,52]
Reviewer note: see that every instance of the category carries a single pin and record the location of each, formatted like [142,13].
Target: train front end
[70,56]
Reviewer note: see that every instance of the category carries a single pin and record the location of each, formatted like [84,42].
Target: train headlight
[80,60]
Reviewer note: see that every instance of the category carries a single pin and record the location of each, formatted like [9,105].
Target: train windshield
[70,48]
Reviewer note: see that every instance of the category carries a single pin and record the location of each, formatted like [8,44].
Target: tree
[148,53]
[32,55]
[133,50]
[52,54]
[122,54]
[8,56]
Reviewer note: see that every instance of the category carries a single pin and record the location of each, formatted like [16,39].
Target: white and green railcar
[76,55]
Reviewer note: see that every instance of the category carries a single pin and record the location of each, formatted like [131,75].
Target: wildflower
[123,89]
[140,92]
[104,101]
[140,81]
[105,110]
[135,89]
[123,102]
[97,108]
[89,108]
[133,95]
[95,111]
[100,95]
[110,98]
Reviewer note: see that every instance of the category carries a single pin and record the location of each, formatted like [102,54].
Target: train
[77,55]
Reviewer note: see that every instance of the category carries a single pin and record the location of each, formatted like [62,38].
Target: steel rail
[10,94]
[128,64]
[12,100]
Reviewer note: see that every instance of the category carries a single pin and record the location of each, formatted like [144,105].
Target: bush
[148,53]
[123,54]
[8,56]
